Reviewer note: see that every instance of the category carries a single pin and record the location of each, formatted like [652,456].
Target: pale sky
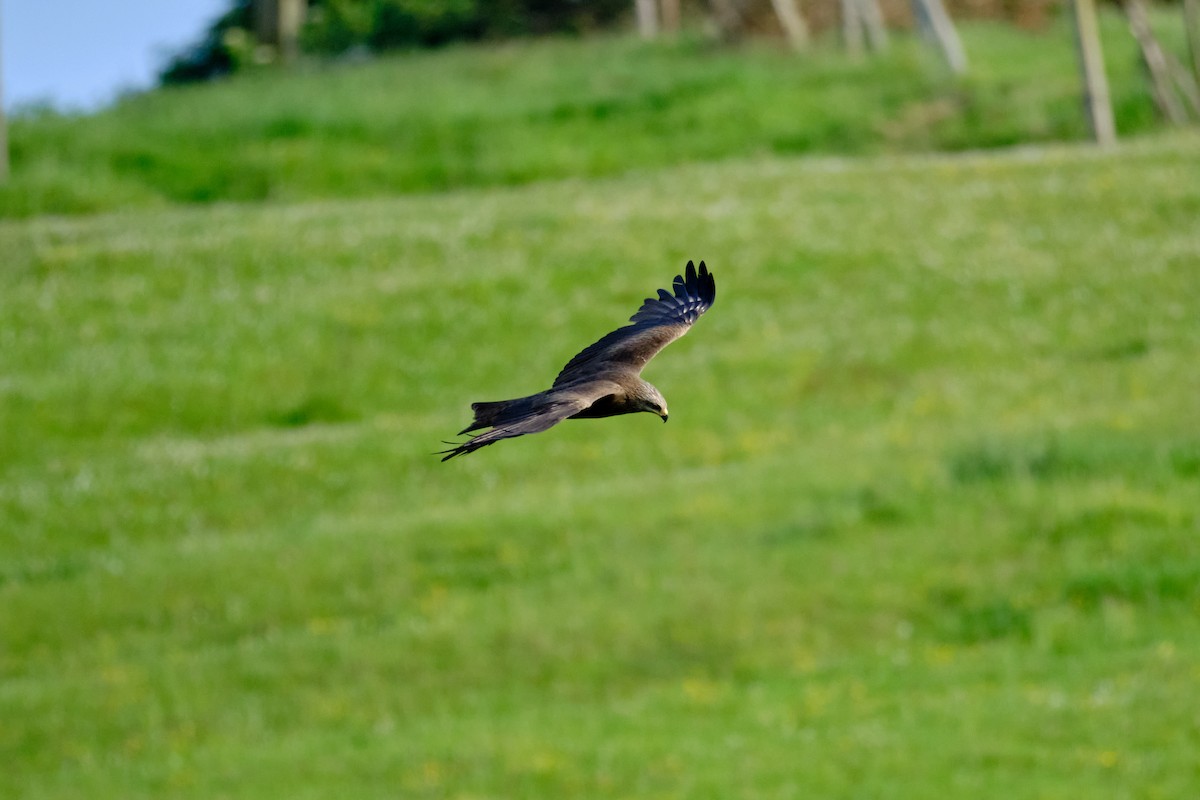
[78,54]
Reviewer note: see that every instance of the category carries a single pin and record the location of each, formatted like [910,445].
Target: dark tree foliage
[212,56]
[336,26]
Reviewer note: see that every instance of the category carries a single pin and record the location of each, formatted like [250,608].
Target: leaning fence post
[1091,66]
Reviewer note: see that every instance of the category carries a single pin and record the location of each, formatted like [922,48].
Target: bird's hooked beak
[664,416]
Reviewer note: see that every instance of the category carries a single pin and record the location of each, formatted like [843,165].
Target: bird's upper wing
[544,411]
[656,324]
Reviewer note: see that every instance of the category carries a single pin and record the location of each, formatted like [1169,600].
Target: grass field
[522,112]
[924,521]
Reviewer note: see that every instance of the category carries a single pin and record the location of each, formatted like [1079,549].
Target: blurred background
[924,519]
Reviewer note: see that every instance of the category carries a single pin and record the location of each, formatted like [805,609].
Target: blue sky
[80,53]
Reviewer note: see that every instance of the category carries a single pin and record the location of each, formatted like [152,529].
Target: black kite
[604,379]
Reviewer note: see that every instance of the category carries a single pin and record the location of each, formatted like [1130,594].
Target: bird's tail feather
[498,412]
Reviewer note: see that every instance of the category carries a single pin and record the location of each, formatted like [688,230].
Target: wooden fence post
[647,18]
[793,24]
[872,20]
[862,20]
[278,22]
[852,28]
[1191,24]
[935,24]
[1091,66]
[1156,62]
[1166,72]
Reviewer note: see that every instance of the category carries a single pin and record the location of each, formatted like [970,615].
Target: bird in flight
[604,379]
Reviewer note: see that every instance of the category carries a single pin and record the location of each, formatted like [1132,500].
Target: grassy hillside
[517,113]
[924,519]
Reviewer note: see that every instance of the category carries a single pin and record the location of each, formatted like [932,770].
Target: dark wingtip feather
[693,288]
[708,285]
[457,449]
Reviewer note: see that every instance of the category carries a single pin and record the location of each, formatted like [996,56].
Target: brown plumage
[604,379]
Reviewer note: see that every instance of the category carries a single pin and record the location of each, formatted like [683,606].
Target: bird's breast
[608,406]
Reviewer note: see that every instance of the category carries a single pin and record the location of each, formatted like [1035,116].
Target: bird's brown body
[604,379]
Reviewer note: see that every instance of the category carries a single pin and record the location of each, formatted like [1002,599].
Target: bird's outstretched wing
[533,414]
[660,321]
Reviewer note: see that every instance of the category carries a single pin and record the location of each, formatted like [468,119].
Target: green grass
[517,113]
[924,521]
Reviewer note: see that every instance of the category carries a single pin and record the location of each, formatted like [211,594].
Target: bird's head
[650,399]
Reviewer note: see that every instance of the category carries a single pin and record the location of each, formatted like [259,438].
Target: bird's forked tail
[489,414]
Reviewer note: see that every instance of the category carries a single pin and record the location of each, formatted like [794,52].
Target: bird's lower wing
[543,415]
